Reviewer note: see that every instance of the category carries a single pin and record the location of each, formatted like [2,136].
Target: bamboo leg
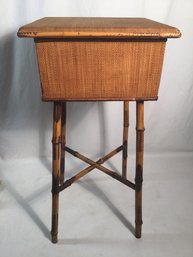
[125,138]
[63,143]
[139,166]
[56,169]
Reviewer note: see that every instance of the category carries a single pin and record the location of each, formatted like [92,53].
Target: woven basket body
[100,69]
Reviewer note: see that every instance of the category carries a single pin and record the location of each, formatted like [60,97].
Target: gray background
[96,213]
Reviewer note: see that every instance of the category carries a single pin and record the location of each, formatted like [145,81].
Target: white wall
[26,122]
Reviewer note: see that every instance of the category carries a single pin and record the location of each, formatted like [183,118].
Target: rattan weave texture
[100,70]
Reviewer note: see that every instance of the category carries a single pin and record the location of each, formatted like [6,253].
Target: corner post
[56,169]
[63,142]
[125,137]
[139,166]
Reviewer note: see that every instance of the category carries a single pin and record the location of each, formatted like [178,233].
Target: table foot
[54,239]
[138,231]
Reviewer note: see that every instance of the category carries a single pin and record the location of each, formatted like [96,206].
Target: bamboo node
[139,222]
[140,129]
[126,124]
[138,181]
[56,140]
[55,190]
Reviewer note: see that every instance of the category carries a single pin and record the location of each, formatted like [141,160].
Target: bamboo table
[98,59]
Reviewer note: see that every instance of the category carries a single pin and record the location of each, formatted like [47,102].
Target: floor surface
[97,213]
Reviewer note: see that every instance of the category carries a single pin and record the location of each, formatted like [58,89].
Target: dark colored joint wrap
[56,141]
[125,153]
[139,178]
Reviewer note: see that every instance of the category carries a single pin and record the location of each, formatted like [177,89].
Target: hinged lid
[53,27]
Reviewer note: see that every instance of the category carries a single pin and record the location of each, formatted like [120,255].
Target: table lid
[53,27]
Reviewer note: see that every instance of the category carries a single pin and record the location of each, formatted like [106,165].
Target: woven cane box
[99,58]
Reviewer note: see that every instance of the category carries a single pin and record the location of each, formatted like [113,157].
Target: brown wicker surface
[97,27]
[100,70]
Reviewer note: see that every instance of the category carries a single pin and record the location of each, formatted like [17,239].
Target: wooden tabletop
[65,27]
